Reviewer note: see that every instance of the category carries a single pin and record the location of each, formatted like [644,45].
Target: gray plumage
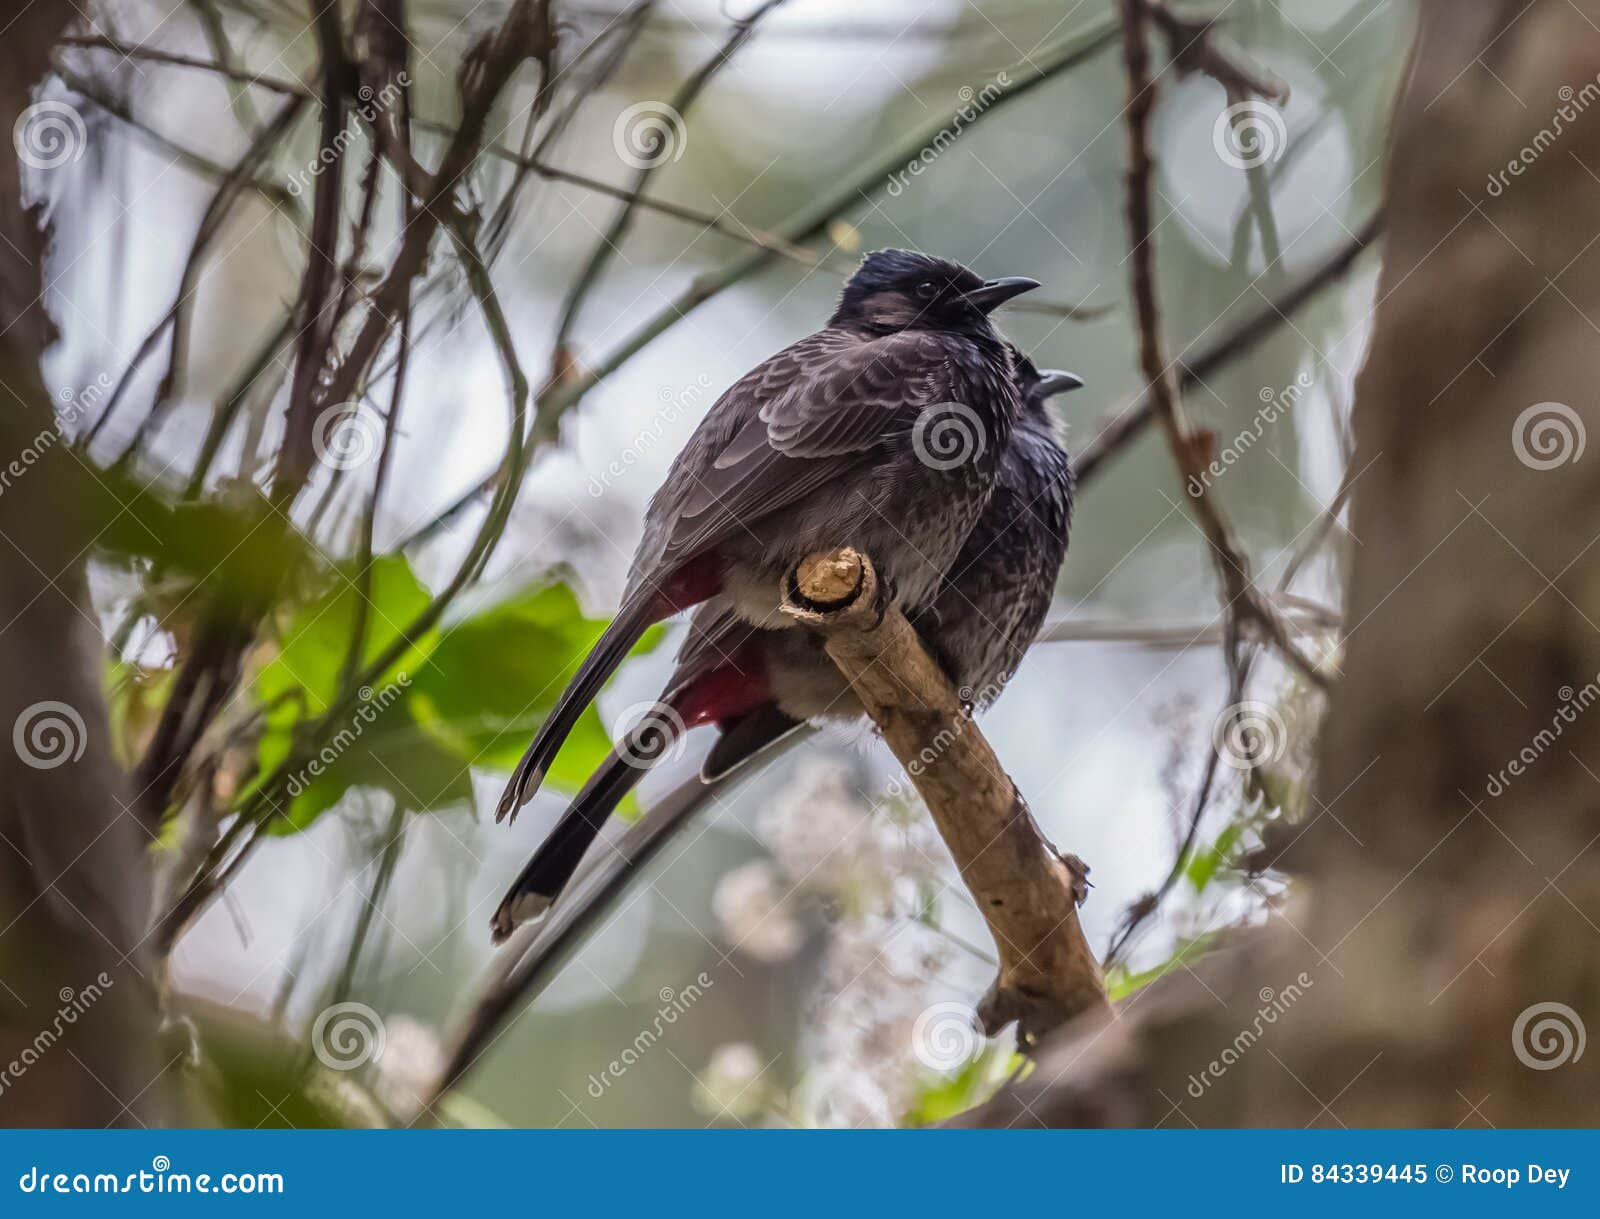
[994,600]
[832,442]
[977,621]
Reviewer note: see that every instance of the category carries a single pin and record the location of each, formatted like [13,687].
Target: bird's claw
[1079,871]
[882,599]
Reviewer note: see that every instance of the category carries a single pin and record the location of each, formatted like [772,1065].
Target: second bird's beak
[998,291]
[1054,381]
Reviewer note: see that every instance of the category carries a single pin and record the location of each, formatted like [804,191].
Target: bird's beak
[1054,381]
[998,291]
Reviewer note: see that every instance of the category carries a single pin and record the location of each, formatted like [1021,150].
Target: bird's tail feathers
[547,874]
[746,738]
[609,652]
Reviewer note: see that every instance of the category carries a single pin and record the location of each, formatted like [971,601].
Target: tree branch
[1243,339]
[1241,598]
[1027,891]
[1190,46]
[617,231]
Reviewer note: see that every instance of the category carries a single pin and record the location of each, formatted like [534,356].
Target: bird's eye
[927,290]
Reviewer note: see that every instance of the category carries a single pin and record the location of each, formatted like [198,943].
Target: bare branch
[1113,436]
[1027,891]
[100,42]
[680,104]
[1242,599]
[1191,45]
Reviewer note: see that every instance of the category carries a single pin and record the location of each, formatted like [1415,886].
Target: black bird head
[1039,386]
[902,290]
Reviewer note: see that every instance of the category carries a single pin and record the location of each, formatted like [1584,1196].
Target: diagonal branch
[1027,891]
[1241,597]
[617,231]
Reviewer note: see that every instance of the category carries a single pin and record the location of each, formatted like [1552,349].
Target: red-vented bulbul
[882,431]
[978,623]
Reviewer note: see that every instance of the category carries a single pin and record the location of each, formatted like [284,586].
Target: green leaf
[392,753]
[1203,865]
[377,743]
[973,1084]
[494,677]
[310,662]
[469,696]
[1120,983]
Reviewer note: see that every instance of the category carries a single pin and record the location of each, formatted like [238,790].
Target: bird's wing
[796,422]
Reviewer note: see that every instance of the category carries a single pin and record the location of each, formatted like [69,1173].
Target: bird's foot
[1079,871]
[882,599]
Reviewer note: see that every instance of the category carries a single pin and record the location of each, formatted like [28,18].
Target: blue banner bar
[797,1173]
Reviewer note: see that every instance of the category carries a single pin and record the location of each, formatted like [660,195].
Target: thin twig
[1046,64]
[211,221]
[100,42]
[266,801]
[1192,48]
[616,232]
[1114,435]
[1241,598]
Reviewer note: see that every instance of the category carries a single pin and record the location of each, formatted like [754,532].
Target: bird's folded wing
[807,416]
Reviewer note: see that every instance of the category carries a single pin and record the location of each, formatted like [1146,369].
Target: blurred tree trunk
[75,1010]
[1441,954]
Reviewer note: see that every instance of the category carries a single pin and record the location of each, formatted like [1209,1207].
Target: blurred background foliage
[377,881]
